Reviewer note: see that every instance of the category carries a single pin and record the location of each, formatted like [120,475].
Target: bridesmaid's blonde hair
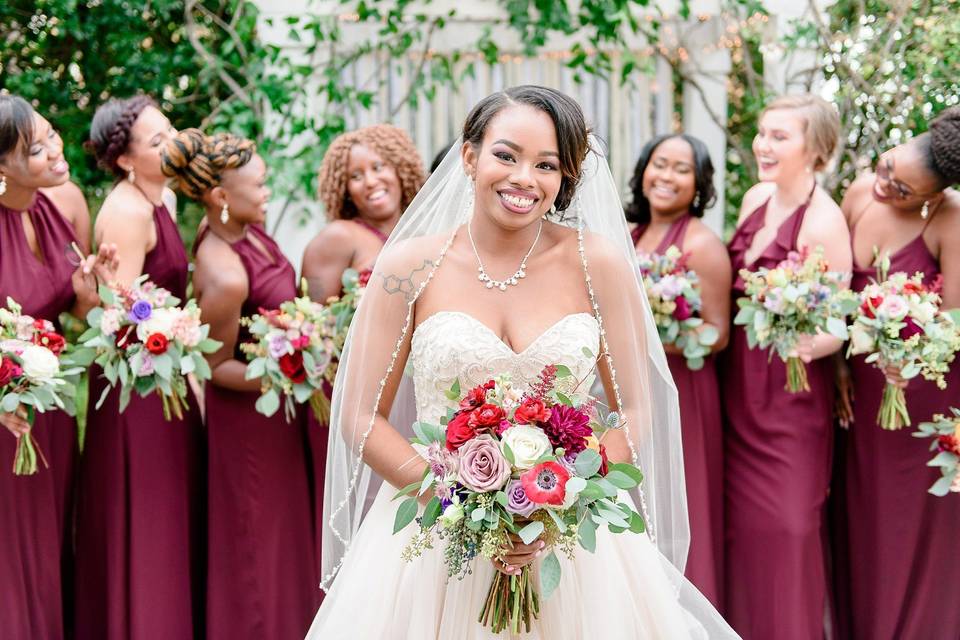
[821,124]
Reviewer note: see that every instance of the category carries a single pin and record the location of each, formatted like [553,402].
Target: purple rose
[517,501]
[140,311]
[482,467]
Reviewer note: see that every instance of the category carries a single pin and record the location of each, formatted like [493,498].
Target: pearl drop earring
[225,214]
[925,210]
[3,185]
[131,176]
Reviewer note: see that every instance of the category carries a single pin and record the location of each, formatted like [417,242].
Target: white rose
[860,339]
[39,363]
[528,445]
[160,321]
[451,515]
[923,312]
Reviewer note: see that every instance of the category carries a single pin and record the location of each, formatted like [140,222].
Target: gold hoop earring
[225,214]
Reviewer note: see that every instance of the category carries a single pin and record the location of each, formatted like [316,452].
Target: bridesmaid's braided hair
[943,150]
[110,130]
[387,141]
[198,161]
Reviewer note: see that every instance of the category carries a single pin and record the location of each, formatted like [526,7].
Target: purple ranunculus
[140,311]
[517,501]
[482,467]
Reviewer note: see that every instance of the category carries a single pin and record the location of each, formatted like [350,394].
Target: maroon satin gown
[37,511]
[140,512]
[777,457]
[702,430]
[897,555]
[262,573]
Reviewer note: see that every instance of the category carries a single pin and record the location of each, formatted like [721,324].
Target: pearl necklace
[518,275]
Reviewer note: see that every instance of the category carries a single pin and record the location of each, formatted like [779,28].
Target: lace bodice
[451,345]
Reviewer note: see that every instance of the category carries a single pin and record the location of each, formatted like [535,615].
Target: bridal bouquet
[674,295]
[899,322]
[146,342]
[291,353]
[31,375]
[528,463]
[798,297]
[946,433]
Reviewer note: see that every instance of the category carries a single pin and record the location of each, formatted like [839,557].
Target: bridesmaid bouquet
[146,343]
[800,296]
[674,295]
[946,433]
[343,308]
[899,322]
[526,463]
[291,353]
[31,375]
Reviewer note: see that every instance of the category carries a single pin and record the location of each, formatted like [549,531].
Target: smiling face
[245,191]
[149,135]
[372,184]
[516,169]
[41,164]
[669,180]
[780,146]
[902,179]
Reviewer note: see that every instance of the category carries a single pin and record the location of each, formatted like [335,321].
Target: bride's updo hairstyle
[571,126]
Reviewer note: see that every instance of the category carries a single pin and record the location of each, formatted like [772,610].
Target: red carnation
[486,418]
[474,398]
[291,365]
[459,431]
[8,371]
[682,311]
[156,343]
[531,410]
[51,340]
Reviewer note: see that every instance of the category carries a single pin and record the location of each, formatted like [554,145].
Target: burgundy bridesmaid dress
[777,456]
[140,512]
[898,558]
[262,572]
[702,430]
[37,511]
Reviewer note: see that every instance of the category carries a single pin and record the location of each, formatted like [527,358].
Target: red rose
[291,365]
[474,398]
[486,418]
[50,340]
[604,461]
[949,443]
[910,329]
[156,343]
[364,277]
[869,305]
[531,410]
[459,431]
[8,371]
[682,311]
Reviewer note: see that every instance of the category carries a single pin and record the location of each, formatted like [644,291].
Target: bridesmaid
[899,565]
[777,444]
[41,214]
[262,570]
[672,185]
[139,531]
[368,177]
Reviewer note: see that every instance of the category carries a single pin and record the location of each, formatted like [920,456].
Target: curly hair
[572,130]
[110,130]
[198,161]
[387,141]
[638,211]
[943,151]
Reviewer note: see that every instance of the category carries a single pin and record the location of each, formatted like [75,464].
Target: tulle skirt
[625,590]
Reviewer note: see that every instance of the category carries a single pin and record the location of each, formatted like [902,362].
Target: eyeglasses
[885,173]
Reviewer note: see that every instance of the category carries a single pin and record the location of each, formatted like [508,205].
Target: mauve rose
[531,410]
[911,329]
[482,467]
[486,418]
[459,431]
[517,501]
[682,310]
[140,311]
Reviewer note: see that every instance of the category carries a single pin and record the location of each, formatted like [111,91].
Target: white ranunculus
[39,363]
[528,445]
[160,321]
[451,515]
[860,339]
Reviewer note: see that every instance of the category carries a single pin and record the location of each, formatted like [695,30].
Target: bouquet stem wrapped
[796,375]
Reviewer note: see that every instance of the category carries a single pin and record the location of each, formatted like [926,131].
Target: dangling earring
[925,210]
[3,185]
[131,176]
[696,199]
[225,214]
[470,199]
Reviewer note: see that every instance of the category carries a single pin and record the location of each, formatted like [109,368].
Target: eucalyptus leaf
[549,575]
[406,512]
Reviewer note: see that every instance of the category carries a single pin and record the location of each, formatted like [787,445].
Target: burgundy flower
[604,461]
[8,371]
[911,329]
[568,428]
[51,340]
[291,365]
[682,311]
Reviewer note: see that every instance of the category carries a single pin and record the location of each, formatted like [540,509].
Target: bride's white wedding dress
[626,590]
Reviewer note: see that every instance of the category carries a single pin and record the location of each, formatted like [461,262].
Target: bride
[514,255]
